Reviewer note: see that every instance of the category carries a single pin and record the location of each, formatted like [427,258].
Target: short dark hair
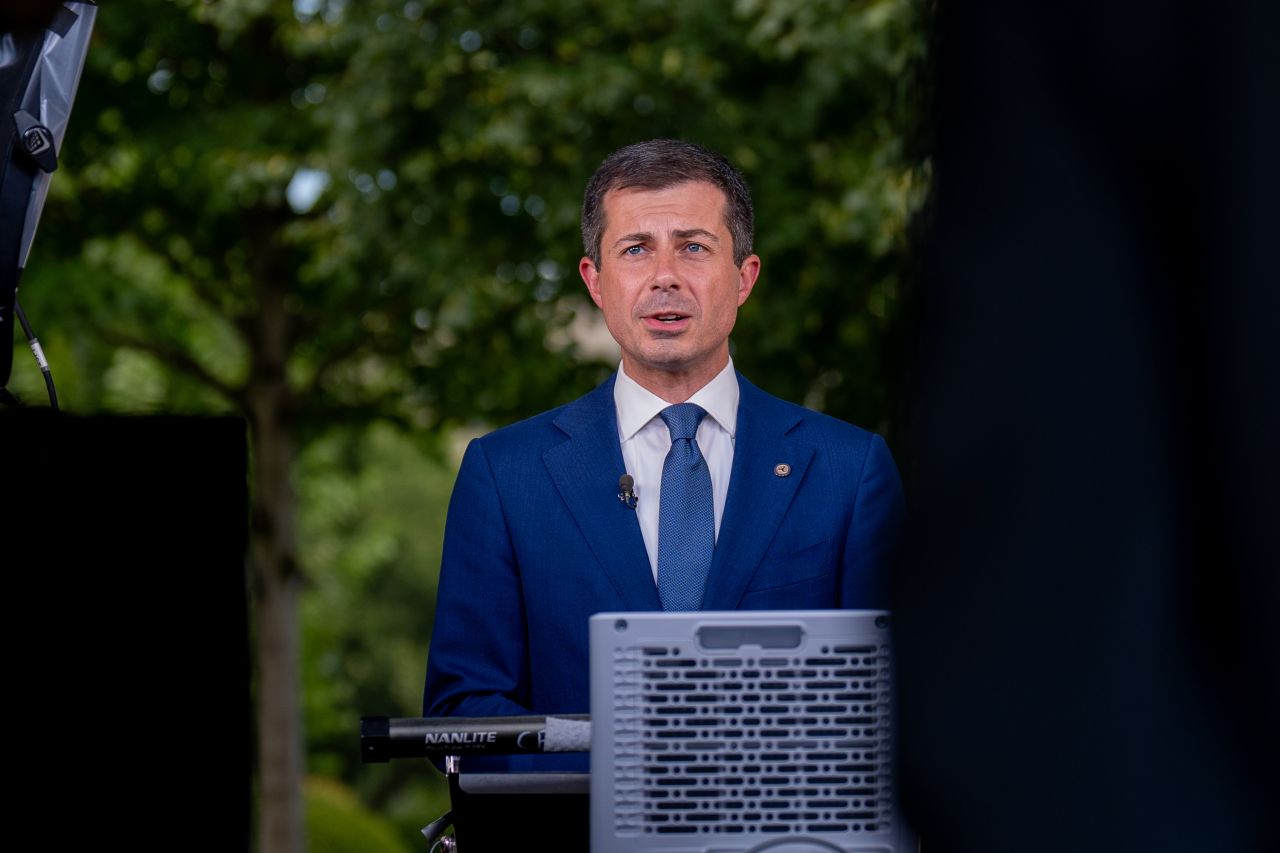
[660,163]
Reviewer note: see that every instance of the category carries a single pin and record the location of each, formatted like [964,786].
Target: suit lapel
[758,498]
[585,469]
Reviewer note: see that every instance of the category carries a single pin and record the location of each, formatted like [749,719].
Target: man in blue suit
[768,506]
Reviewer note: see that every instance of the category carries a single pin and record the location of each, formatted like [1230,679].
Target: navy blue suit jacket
[537,541]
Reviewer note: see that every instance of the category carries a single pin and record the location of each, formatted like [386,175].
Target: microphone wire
[38,352]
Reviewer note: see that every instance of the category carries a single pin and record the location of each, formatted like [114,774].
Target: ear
[591,276]
[747,275]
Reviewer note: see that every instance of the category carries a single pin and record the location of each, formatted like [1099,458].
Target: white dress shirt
[646,440]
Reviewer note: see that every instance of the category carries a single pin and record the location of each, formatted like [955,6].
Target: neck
[674,386]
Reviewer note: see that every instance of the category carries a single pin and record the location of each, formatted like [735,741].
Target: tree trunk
[280,763]
[277,577]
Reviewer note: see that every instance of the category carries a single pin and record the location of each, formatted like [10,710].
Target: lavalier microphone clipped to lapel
[627,491]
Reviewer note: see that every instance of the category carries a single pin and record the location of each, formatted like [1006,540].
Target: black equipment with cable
[385,738]
[521,799]
[42,52]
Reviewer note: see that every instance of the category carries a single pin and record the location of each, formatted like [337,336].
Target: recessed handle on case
[721,637]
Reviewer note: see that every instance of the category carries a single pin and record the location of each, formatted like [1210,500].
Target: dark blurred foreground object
[42,52]
[127,643]
[1087,619]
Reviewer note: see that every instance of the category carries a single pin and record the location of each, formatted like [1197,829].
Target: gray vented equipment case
[743,731]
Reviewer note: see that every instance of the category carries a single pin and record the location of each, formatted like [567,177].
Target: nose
[664,273]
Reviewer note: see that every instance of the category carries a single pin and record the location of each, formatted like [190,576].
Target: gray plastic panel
[742,731]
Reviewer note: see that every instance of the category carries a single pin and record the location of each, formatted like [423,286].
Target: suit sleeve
[875,531]
[478,662]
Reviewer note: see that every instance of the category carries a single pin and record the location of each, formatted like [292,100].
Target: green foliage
[452,142]
[482,123]
[371,523]
[337,822]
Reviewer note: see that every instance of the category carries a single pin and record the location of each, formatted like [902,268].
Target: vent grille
[770,744]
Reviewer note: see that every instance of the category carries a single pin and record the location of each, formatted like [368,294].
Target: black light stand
[42,52]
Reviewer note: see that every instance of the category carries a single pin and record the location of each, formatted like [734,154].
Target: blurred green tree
[371,510]
[324,214]
[337,821]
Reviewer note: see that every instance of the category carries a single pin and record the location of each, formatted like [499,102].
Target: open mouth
[668,319]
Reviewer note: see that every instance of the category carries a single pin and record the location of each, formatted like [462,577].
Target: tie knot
[682,420]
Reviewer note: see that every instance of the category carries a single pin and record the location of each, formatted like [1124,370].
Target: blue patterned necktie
[686,517]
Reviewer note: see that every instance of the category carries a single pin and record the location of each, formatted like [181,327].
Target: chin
[665,358]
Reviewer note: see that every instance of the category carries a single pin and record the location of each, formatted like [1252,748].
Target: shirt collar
[637,405]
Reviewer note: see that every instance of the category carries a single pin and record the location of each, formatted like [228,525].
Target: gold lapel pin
[782,469]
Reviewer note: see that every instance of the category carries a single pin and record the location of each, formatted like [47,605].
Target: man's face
[667,283]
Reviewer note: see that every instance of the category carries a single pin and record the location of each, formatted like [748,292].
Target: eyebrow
[684,234]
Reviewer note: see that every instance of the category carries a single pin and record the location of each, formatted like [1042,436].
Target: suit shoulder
[817,424]
[844,444]
[808,425]
[845,448]
[533,435]
[523,435]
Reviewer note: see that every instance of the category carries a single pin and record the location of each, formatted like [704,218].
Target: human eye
[695,248]
[633,250]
